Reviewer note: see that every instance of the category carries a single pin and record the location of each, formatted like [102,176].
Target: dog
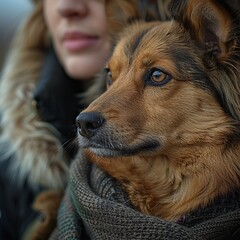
[167,127]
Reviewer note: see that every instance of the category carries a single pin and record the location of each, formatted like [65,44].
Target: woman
[39,100]
[56,57]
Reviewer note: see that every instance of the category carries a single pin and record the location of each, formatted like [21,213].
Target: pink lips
[75,41]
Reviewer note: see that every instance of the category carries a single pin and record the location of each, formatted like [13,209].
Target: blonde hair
[163,9]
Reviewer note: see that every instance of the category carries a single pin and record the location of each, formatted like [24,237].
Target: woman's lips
[74,41]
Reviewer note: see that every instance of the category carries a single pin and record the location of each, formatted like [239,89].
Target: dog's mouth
[105,140]
[114,149]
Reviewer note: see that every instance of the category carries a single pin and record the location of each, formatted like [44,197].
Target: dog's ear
[210,23]
[214,26]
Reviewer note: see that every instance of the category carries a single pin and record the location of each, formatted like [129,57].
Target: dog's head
[169,84]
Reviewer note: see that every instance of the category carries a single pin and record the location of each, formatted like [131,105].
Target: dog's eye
[109,76]
[157,77]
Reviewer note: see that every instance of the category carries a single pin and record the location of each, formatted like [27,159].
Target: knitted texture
[95,207]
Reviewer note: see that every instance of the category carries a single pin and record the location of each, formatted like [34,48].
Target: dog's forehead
[140,39]
[159,44]
[163,44]
[149,39]
[149,45]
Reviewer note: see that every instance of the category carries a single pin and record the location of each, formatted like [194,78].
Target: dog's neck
[180,181]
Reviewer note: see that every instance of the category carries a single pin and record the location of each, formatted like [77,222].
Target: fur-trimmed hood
[38,109]
[34,146]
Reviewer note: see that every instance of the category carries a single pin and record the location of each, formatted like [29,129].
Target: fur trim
[35,151]
[47,203]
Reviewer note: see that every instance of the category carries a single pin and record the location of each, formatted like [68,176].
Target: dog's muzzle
[88,123]
[99,137]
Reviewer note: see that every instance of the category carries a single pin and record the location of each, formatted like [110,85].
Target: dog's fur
[168,126]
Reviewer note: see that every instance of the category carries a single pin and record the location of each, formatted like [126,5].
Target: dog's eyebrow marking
[188,67]
[186,64]
[131,47]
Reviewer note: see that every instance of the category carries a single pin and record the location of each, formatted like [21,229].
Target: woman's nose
[73,8]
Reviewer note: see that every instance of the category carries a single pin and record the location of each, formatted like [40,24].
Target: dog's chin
[141,150]
[101,147]
[103,152]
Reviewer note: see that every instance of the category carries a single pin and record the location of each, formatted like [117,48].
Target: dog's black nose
[89,122]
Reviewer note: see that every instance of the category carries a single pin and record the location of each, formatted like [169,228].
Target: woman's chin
[83,68]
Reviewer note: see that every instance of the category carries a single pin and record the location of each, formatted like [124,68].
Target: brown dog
[168,126]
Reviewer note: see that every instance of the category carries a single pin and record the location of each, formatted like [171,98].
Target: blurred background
[12,13]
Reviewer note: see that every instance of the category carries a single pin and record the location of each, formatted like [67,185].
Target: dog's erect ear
[214,25]
[210,23]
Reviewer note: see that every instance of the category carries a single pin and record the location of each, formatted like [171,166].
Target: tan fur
[190,170]
[47,203]
[198,157]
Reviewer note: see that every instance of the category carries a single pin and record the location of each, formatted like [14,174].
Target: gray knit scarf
[95,207]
